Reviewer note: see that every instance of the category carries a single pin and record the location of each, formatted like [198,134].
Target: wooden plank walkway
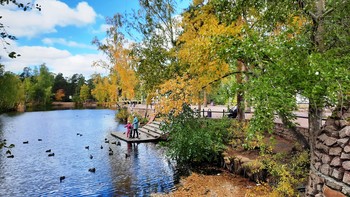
[149,133]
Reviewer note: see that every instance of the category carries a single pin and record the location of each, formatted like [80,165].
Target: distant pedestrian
[233,112]
[135,125]
[128,129]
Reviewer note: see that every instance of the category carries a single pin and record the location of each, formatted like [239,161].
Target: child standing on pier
[128,129]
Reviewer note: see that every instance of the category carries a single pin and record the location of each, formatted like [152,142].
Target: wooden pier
[149,133]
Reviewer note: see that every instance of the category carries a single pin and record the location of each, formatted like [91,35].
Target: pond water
[32,172]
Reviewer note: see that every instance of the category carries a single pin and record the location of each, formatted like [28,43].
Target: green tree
[84,93]
[157,29]
[11,90]
[287,46]
[38,89]
[27,72]
[292,47]
[74,85]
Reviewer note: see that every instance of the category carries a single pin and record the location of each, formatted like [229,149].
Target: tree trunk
[146,111]
[240,106]
[205,101]
[319,29]
[294,131]
[315,109]
[240,92]
[315,123]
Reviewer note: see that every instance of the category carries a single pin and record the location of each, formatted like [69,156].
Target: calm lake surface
[32,173]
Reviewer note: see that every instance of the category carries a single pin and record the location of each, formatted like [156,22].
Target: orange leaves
[59,95]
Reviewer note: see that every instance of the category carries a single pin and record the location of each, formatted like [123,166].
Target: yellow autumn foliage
[99,92]
[197,54]
[176,92]
[126,74]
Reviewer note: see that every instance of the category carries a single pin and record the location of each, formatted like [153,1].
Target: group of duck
[110,151]
[51,153]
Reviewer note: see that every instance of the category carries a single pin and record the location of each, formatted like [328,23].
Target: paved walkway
[217,111]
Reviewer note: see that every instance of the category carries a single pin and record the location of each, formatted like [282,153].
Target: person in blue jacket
[135,125]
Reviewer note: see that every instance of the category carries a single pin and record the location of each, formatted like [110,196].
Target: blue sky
[60,34]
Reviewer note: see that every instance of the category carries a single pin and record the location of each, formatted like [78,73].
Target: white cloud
[58,61]
[102,29]
[64,42]
[53,13]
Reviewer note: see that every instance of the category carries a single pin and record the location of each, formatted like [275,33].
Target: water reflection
[132,170]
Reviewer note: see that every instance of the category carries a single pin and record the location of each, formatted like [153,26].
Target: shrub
[287,174]
[123,115]
[193,140]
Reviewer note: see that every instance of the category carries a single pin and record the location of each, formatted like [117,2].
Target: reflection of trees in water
[121,173]
[1,131]
[132,150]
[140,169]
[141,173]
[2,143]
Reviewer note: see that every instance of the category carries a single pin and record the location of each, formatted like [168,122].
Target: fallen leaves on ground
[222,184]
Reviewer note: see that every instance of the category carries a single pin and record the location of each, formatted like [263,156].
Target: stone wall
[330,166]
[282,131]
